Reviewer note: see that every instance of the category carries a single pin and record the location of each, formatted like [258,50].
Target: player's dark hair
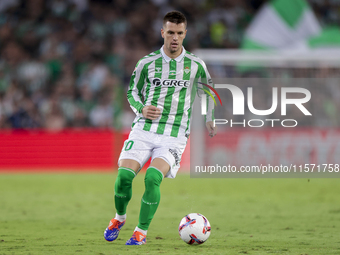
[175,17]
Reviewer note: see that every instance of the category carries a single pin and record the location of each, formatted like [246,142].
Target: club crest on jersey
[187,70]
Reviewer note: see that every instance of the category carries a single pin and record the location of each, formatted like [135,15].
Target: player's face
[173,35]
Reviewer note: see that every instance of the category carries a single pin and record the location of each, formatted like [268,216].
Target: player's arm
[211,128]
[134,94]
[205,78]
[135,97]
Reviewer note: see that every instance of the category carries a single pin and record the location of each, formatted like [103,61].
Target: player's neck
[173,55]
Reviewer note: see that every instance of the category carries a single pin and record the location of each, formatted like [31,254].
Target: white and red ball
[194,228]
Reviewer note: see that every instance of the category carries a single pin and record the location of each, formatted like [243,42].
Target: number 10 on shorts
[128,145]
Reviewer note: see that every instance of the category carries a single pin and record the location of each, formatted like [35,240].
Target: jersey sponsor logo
[157,82]
[170,83]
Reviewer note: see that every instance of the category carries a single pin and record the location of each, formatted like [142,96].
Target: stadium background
[65,67]
[64,71]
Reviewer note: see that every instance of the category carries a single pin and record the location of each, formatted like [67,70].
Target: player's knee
[150,182]
[129,163]
[153,178]
[124,178]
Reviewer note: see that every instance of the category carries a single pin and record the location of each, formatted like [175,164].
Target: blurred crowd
[67,63]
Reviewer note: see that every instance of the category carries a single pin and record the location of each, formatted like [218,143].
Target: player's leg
[123,186]
[123,192]
[150,200]
[136,151]
[152,195]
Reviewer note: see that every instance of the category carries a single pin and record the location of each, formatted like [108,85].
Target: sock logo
[149,203]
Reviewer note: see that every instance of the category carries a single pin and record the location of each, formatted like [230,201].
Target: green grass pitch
[67,214]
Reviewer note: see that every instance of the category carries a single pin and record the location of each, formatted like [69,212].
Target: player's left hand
[211,129]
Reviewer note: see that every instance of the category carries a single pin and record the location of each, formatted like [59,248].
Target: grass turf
[67,214]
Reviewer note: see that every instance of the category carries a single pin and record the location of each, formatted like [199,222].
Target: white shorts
[141,145]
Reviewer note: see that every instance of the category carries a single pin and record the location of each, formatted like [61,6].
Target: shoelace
[134,236]
[114,225]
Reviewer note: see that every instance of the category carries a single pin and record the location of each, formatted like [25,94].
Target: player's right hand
[151,112]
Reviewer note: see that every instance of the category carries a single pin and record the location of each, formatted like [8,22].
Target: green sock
[151,197]
[123,189]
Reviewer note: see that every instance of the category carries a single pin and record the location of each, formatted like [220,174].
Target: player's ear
[162,32]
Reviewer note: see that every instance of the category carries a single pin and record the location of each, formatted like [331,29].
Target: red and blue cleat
[112,231]
[137,238]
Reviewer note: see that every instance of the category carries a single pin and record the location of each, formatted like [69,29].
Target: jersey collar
[167,58]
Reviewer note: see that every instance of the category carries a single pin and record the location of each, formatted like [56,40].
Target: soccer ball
[194,228]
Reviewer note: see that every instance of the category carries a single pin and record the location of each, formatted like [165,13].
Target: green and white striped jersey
[171,85]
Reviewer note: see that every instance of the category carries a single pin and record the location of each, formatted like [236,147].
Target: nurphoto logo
[239,105]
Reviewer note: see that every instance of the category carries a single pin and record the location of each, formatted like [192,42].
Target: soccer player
[161,90]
